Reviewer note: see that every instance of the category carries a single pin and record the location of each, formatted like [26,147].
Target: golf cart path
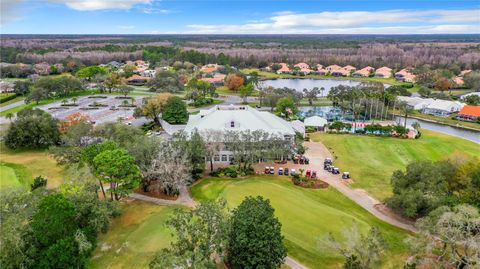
[317,152]
[12,105]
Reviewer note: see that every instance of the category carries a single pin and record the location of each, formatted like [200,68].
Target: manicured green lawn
[372,160]
[134,237]
[14,175]
[16,99]
[28,164]
[307,216]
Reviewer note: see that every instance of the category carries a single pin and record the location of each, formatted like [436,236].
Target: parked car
[280,171]
[336,171]
[285,172]
[308,173]
[346,175]
[267,170]
[293,172]
[272,170]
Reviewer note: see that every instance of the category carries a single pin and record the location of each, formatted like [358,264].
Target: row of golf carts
[286,172]
[328,166]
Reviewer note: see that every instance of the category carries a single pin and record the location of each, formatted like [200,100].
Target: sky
[240,17]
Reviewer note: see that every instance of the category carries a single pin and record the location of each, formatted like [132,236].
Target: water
[308,83]
[332,114]
[458,132]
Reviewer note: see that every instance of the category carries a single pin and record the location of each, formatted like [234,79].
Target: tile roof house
[469,113]
[284,69]
[458,81]
[304,68]
[137,79]
[405,75]
[442,108]
[340,72]
[383,72]
[349,68]
[218,79]
[364,72]
[209,68]
[333,67]
[320,70]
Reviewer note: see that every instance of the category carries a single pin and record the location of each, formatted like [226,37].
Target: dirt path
[317,153]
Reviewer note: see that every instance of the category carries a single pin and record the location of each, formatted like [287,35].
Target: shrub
[38,182]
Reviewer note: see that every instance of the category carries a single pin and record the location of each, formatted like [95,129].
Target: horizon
[168,17]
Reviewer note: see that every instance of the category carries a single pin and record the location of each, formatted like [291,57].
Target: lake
[308,83]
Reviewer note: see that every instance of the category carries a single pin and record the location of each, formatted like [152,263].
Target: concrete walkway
[12,105]
[317,153]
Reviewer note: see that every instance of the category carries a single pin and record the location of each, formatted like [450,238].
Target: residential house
[321,71]
[405,75]
[340,72]
[415,103]
[209,68]
[114,64]
[464,72]
[333,67]
[458,81]
[469,113]
[221,119]
[42,69]
[383,72]
[468,94]
[217,80]
[349,68]
[317,122]
[364,72]
[137,79]
[303,68]
[442,108]
[284,69]
[149,73]
[6,86]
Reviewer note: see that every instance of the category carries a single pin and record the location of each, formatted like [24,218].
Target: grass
[14,175]
[28,164]
[215,102]
[372,160]
[306,215]
[18,98]
[443,120]
[134,237]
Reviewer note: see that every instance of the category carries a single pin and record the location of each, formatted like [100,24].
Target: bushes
[202,102]
[8,98]
[233,171]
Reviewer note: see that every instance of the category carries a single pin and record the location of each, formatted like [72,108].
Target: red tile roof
[470,111]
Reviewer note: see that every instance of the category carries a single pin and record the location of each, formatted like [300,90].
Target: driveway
[317,153]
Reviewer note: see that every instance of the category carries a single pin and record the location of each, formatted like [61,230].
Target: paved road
[12,105]
[317,153]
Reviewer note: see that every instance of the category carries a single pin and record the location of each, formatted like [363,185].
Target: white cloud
[9,11]
[86,5]
[352,22]
[153,10]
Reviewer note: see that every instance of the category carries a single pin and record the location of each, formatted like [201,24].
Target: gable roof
[315,121]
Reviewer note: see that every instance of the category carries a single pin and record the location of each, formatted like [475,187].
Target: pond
[307,83]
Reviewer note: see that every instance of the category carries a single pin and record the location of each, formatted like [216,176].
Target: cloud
[88,5]
[153,10]
[9,11]
[353,22]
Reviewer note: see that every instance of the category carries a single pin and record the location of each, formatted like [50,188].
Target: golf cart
[345,175]
[293,172]
[329,168]
[272,170]
[285,172]
[267,170]
[306,160]
[314,174]
[280,171]
[308,173]
[335,171]
[327,161]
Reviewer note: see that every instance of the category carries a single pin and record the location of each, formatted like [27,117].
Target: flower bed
[311,183]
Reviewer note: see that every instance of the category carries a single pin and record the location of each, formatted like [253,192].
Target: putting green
[134,237]
[307,216]
[372,160]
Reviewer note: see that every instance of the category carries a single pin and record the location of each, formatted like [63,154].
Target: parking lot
[99,108]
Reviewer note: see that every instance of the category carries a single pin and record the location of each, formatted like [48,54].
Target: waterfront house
[405,75]
[284,69]
[415,103]
[217,80]
[349,69]
[303,68]
[383,72]
[364,72]
[469,113]
[442,108]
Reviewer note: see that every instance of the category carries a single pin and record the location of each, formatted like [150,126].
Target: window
[230,157]
[232,124]
[216,158]
[224,158]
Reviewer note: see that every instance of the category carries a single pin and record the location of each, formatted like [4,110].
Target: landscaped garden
[371,160]
[307,216]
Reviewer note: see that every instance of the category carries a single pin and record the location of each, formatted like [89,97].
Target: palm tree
[406,110]
[74,100]
[322,90]
[64,101]
[132,101]
[125,103]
